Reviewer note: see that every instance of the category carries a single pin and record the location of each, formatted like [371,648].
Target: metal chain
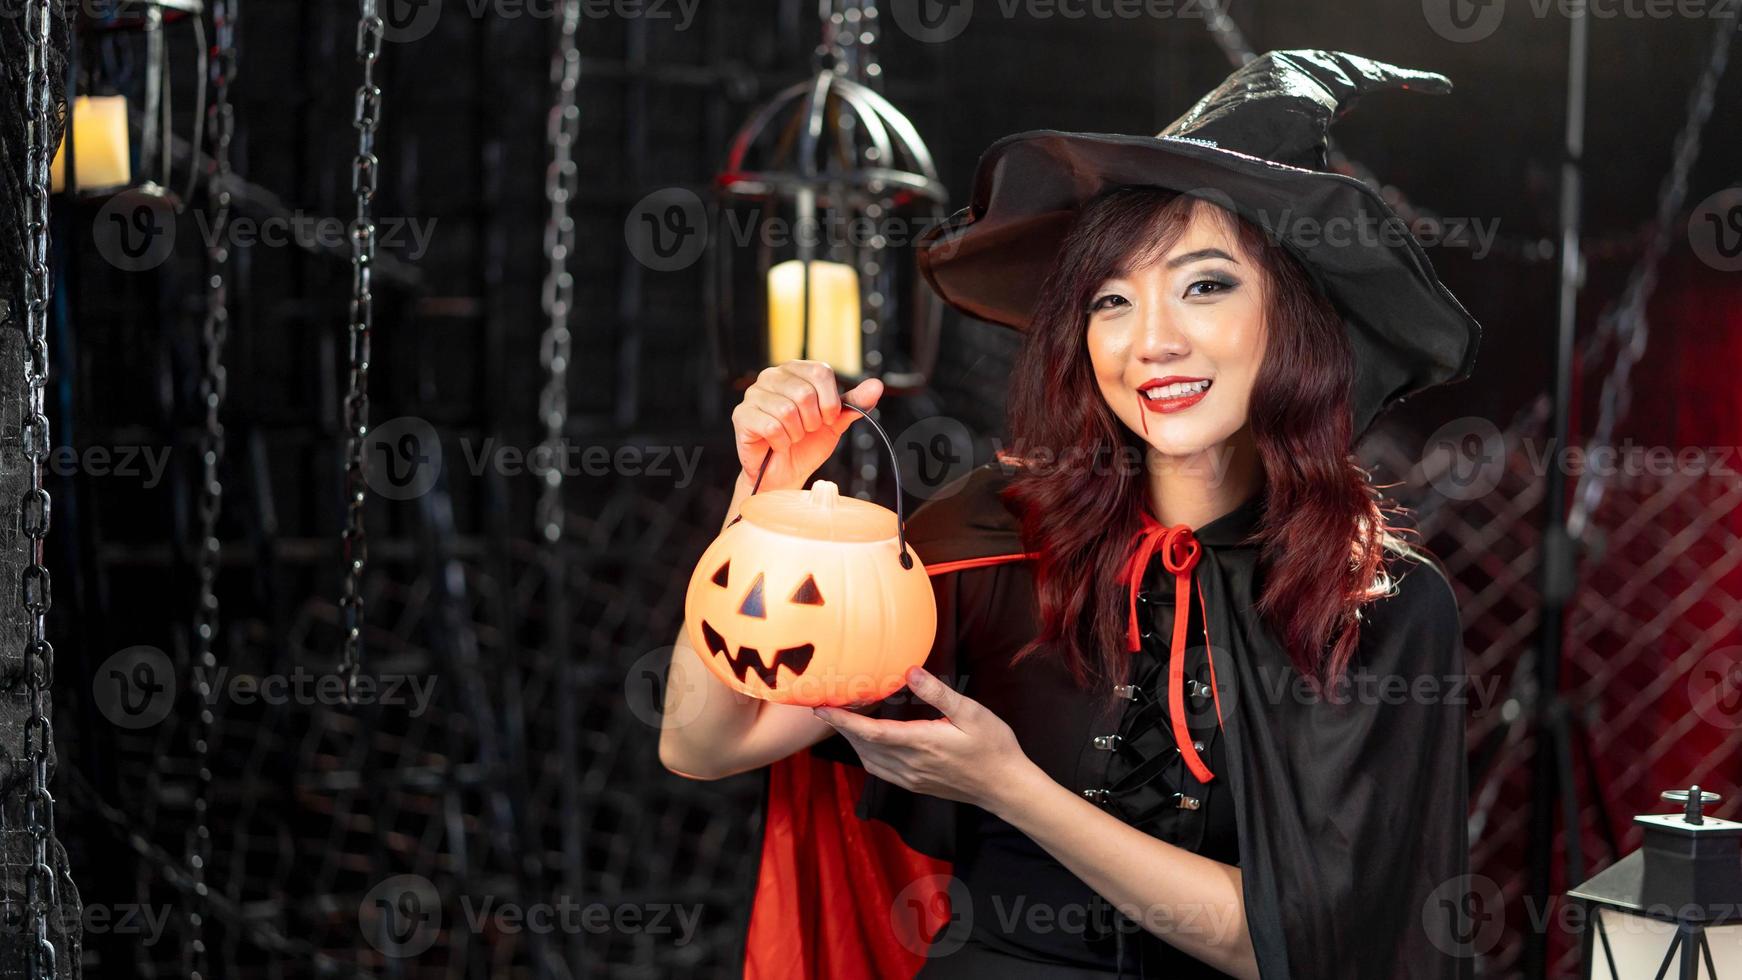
[215,332]
[1625,321]
[561,181]
[364,173]
[848,45]
[870,67]
[852,33]
[34,592]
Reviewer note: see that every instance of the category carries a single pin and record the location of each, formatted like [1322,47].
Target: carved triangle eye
[721,575]
[807,594]
[752,605]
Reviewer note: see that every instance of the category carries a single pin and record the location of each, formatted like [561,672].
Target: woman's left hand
[969,755]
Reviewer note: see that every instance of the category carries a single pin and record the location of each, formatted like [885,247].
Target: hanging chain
[1626,321]
[363,181]
[561,181]
[850,39]
[832,48]
[215,333]
[847,46]
[39,887]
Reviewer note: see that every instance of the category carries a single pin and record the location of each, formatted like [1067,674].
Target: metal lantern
[1673,909]
[824,193]
[129,91]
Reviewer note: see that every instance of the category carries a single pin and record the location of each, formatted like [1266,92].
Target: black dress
[1024,912]
[1025,904]
[1345,811]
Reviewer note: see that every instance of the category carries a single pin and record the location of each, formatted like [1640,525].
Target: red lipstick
[1178,402]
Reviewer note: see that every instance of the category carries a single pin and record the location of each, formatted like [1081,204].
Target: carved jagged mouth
[749,659]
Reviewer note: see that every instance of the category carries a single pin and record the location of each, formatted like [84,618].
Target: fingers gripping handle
[900,513]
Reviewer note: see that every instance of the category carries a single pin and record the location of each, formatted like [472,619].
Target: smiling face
[1176,337]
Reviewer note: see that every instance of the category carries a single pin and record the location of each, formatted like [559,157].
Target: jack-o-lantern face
[743,660]
[780,612]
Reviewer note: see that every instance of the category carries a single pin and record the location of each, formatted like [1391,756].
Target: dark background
[482,795]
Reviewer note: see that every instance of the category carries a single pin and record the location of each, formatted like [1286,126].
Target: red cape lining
[837,896]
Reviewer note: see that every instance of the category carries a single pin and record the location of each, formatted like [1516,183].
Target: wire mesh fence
[496,806]
[446,829]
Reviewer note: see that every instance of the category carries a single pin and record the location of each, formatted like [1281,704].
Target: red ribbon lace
[1179,555]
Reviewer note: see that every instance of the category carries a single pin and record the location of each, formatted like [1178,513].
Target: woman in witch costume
[1078,786]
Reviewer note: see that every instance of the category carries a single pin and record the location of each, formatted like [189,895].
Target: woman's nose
[1158,335]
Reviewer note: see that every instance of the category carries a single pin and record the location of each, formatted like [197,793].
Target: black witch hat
[1256,145]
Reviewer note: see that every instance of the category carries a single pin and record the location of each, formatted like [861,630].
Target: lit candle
[835,331]
[100,132]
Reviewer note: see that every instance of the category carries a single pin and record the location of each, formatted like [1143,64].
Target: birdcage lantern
[1671,910]
[825,191]
[122,134]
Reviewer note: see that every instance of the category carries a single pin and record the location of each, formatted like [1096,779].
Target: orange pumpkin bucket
[811,598]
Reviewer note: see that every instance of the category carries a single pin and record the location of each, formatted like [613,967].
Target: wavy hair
[1322,536]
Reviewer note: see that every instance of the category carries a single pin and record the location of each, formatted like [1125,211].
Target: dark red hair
[1322,534]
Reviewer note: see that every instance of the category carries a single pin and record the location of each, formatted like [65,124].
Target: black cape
[1351,805]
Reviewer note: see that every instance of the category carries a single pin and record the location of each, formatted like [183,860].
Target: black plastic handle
[900,514]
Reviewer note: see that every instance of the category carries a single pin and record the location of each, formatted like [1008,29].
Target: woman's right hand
[795,409]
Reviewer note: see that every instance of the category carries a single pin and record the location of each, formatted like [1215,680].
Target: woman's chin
[1181,442]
